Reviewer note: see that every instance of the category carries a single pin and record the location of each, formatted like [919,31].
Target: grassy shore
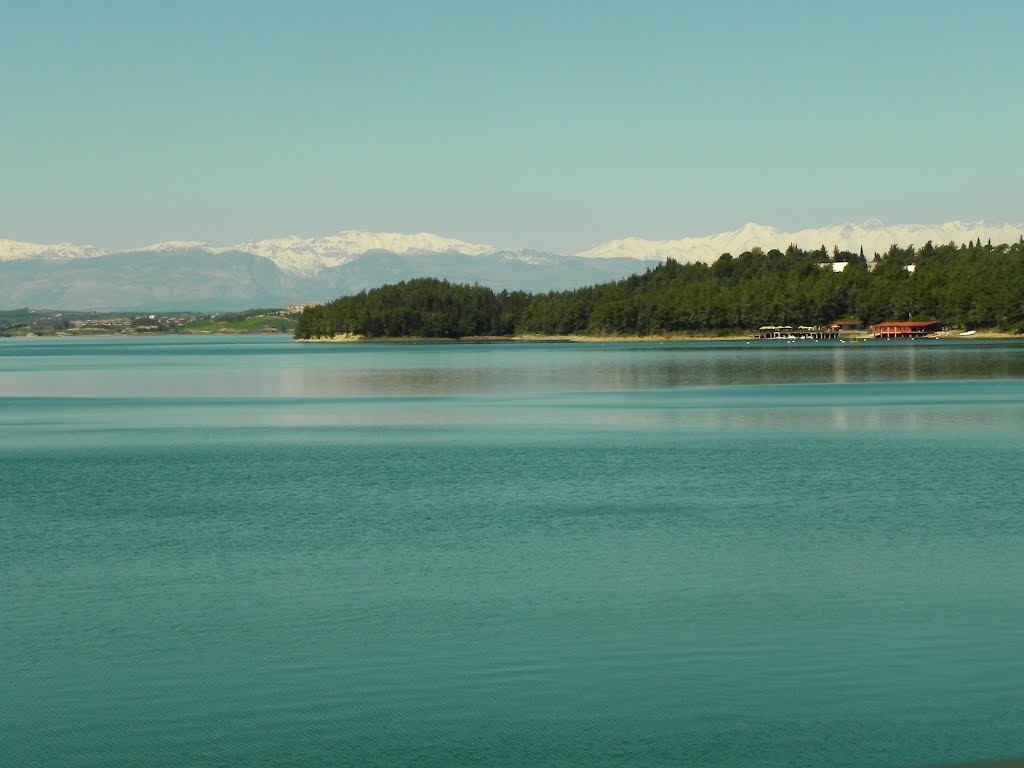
[257,324]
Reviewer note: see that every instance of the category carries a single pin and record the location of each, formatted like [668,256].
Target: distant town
[50,322]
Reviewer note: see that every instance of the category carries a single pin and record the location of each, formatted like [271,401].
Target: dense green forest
[970,285]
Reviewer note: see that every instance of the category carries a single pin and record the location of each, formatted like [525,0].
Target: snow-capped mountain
[872,236]
[12,250]
[195,275]
[176,245]
[298,255]
[309,255]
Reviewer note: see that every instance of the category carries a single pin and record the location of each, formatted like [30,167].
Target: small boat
[968,333]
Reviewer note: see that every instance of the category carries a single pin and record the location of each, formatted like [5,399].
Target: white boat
[968,333]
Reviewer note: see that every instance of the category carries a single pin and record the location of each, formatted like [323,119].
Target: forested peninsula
[967,285]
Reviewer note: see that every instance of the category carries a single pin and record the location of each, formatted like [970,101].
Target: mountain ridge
[197,276]
[309,256]
[197,279]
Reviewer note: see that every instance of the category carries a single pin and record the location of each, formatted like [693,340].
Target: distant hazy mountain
[196,276]
[187,277]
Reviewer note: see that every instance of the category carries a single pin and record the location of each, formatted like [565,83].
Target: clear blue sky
[544,124]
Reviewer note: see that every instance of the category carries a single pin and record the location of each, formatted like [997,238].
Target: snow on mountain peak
[872,235]
[13,250]
[309,256]
[175,245]
[294,254]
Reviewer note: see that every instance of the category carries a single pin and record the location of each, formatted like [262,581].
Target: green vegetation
[970,285]
[23,322]
[254,324]
[425,308]
[11,318]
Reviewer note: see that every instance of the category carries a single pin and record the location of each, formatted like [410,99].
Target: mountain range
[187,275]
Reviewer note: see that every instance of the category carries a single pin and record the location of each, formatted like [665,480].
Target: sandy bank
[986,333]
[576,339]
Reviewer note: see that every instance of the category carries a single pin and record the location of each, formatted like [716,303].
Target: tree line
[970,285]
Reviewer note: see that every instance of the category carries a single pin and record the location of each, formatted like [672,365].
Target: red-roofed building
[905,329]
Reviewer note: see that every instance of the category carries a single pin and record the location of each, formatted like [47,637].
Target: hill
[972,286]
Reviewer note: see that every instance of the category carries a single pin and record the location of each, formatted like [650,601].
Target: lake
[246,551]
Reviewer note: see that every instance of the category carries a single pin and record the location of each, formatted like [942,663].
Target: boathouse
[805,332]
[904,329]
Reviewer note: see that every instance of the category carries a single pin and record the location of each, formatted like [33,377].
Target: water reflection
[960,408]
[561,369]
[280,368]
[839,358]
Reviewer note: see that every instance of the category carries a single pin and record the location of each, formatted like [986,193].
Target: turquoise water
[245,551]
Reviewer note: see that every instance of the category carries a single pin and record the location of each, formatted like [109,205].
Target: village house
[905,329]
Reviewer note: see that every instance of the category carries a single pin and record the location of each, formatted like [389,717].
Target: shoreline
[981,334]
[349,338]
[988,335]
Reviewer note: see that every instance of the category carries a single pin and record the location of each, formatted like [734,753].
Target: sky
[553,125]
